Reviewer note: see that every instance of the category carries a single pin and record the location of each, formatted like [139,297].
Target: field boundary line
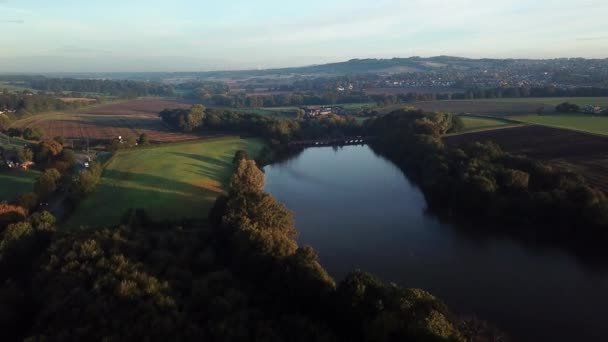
[599,135]
[487,129]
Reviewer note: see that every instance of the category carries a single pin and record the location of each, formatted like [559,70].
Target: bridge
[358,140]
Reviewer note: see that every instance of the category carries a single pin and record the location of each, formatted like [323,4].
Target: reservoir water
[359,211]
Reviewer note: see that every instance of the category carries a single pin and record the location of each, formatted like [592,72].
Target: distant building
[314,111]
[591,109]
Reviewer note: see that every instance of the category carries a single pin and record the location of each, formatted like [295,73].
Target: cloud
[584,39]
[80,49]
[12,21]
[14,9]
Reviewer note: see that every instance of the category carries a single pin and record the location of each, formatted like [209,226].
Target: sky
[183,35]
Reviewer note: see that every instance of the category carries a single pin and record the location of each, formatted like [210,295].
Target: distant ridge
[350,67]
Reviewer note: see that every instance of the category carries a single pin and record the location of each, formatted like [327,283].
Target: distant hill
[395,65]
[356,66]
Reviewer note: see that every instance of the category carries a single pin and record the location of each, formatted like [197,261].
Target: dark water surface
[359,210]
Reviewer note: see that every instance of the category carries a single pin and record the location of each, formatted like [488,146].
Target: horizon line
[2,72]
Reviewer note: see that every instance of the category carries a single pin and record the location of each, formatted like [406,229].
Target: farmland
[170,181]
[579,122]
[500,107]
[127,118]
[578,151]
[16,182]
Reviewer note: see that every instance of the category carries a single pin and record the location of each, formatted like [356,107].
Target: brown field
[405,90]
[74,99]
[582,152]
[106,121]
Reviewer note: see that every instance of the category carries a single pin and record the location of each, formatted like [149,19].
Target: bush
[28,200]
[33,133]
[11,214]
[47,183]
[567,107]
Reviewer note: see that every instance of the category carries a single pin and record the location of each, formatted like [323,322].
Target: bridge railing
[356,140]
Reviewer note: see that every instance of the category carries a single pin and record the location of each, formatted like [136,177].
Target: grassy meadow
[579,122]
[15,182]
[171,181]
[554,101]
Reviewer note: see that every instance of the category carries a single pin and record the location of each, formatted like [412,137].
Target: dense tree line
[331,97]
[483,182]
[241,278]
[279,130]
[57,165]
[242,100]
[18,105]
[119,88]
[202,91]
[567,107]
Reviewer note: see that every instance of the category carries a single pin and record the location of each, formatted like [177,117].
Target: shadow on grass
[204,159]
[109,204]
[155,182]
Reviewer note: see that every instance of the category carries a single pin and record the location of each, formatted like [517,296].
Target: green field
[14,141]
[554,101]
[15,182]
[579,122]
[170,182]
[290,111]
[473,123]
[499,107]
[357,106]
[14,86]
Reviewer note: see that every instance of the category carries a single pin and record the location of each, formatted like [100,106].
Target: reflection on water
[358,210]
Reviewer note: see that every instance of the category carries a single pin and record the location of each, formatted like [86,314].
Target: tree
[46,151]
[46,184]
[131,141]
[114,146]
[194,119]
[43,221]
[143,139]
[35,133]
[300,113]
[15,240]
[11,214]
[59,139]
[567,107]
[87,180]
[238,156]
[247,177]
[25,155]
[457,124]
[27,200]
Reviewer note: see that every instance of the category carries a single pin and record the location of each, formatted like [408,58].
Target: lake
[359,211]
